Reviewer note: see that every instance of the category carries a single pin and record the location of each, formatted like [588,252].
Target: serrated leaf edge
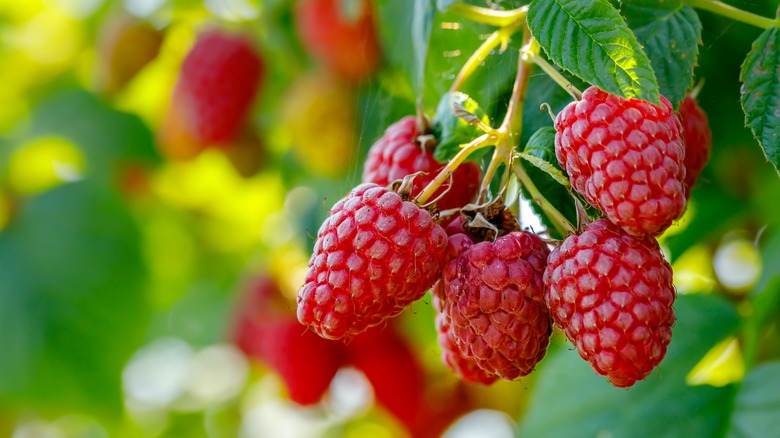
[654,92]
[743,93]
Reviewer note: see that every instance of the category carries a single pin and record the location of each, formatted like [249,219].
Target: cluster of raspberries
[608,288]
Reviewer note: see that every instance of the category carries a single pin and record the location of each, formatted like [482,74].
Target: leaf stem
[558,219]
[478,143]
[735,14]
[488,16]
[531,53]
[483,51]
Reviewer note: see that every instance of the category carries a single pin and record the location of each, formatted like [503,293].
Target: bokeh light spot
[722,365]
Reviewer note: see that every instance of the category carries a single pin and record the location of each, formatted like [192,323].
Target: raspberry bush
[372,217]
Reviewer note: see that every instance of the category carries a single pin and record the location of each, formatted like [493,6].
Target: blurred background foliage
[122,269]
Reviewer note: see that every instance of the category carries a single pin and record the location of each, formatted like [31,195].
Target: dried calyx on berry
[492,320]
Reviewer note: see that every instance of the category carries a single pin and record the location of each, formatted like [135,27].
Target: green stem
[488,16]
[511,127]
[531,53]
[444,174]
[559,220]
[483,51]
[498,157]
[513,120]
[735,14]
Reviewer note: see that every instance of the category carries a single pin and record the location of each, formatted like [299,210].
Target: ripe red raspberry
[341,35]
[494,298]
[625,157]
[455,226]
[398,154]
[374,255]
[612,294]
[267,331]
[698,139]
[463,366]
[217,84]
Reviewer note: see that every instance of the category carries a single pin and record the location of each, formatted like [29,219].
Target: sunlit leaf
[590,39]
[670,33]
[73,306]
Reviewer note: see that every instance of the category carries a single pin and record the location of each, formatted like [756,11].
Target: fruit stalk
[488,16]
[558,219]
[483,51]
[513,120]
[478,143]
[511,126]
[735,14]
[531,54]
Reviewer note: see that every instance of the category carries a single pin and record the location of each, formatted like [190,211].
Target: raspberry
[625,157]
[455,226]
[342,38]
[494,297]
[267,331]
[398,154]
[217,84]
[374,255]
[698,139]
[461,365]
[612,294]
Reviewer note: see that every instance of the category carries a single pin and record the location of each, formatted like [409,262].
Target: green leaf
[422,22]
[546,167]
[453,41]
[670,33]
[570,400]
[450,41]
[639,13]
[404,28]
[757,405]
[770,257]
[452,131]
[760,78]
[590,39]
[107,137]
[541,148]
[72,305]
[540,151]
[765,297]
